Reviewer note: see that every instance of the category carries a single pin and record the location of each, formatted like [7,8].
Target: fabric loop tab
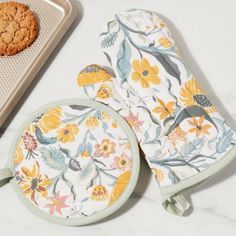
[176,205]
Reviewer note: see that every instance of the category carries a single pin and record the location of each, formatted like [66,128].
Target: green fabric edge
[172,196]
[109,210]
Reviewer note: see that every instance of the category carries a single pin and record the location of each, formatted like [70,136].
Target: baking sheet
[18,71]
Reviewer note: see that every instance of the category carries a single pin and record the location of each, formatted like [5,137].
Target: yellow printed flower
[114,125]
[104,91]
[144,73]
[177,135]
[47,121]
[105,116]
[50,120]
[199,126]
[165,42]
[159,174]
[92,74]
[162,24]
[68,133]
[155,24]
[120,186]
[99,193]
[19,157]
[92,122]
[191,94]
[122,162]
[85,154]
[32,182]
[105,148]
[164,110]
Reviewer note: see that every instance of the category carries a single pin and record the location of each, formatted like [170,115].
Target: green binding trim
[5,175]
[172,196]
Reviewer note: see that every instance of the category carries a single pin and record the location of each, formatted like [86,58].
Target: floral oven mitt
[184,139]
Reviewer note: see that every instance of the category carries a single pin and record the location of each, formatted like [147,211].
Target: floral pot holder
[184,139]
[74,162]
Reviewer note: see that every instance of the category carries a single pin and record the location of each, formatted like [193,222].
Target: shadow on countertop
[46,65]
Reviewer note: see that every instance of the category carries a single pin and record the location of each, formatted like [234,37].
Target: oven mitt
[184,139]
[168,162]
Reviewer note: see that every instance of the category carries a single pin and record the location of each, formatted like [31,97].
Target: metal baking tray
[18,71]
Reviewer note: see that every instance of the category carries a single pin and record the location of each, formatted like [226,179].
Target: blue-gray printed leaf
[78,107]
[123,61]
[173,177]
[69,185]
[189,112]
[108,58]
[152,117]
[105,128]
[109,40]
[146,136]
[53,158]
[84,146]
[74,165]
[224,141]
[85,199]
[67,152]
[191,147]
[81,147]
[92,137]
[42,139]
[170,67]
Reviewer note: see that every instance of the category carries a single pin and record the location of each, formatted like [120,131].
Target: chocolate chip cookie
[18,28]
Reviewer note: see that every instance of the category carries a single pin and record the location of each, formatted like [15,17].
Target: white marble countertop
[205,32]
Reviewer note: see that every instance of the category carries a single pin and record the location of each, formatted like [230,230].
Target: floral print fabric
[73,161]
[178,128]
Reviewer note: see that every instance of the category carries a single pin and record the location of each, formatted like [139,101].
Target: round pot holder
[74,162]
